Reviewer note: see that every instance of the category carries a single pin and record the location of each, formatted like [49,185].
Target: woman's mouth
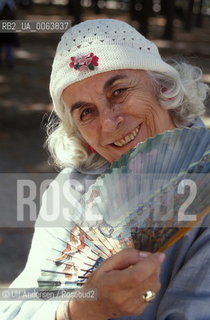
[131,136]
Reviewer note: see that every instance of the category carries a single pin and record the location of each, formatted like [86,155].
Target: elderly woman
[111,90]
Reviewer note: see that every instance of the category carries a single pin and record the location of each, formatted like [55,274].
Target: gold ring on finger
[148,296]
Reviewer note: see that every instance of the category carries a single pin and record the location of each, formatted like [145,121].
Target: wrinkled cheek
[145,132]
[153,122]
[89,137]
[150,126]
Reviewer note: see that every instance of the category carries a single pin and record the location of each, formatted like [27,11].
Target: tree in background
[199,20]
[142,16]
[142,10]
[189,12]
[132,10]
[145,13]
[95,6]
[168,9]
[75,10]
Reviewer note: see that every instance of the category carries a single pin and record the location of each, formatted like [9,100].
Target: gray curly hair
[184,98]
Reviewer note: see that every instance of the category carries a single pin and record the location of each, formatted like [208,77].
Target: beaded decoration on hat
[114,44]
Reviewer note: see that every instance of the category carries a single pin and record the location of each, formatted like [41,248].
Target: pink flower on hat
[84,63]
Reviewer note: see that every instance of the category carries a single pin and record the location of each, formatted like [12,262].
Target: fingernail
[161,256]
[144,254]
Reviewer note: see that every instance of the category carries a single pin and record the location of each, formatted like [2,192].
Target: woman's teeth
[127,139]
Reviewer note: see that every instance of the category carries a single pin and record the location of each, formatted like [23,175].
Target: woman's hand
[121,282]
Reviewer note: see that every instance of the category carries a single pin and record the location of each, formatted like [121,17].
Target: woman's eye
[85,113]
[119,91]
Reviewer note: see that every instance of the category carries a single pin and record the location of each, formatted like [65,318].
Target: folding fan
[148,199]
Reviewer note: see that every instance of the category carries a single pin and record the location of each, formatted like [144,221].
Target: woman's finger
[140,271]
[123,260]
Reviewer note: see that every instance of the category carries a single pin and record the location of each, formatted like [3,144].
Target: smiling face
[114,111]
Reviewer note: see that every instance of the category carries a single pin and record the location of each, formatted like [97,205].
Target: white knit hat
[114,45]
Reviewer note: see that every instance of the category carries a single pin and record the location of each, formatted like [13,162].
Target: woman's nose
[110,121]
